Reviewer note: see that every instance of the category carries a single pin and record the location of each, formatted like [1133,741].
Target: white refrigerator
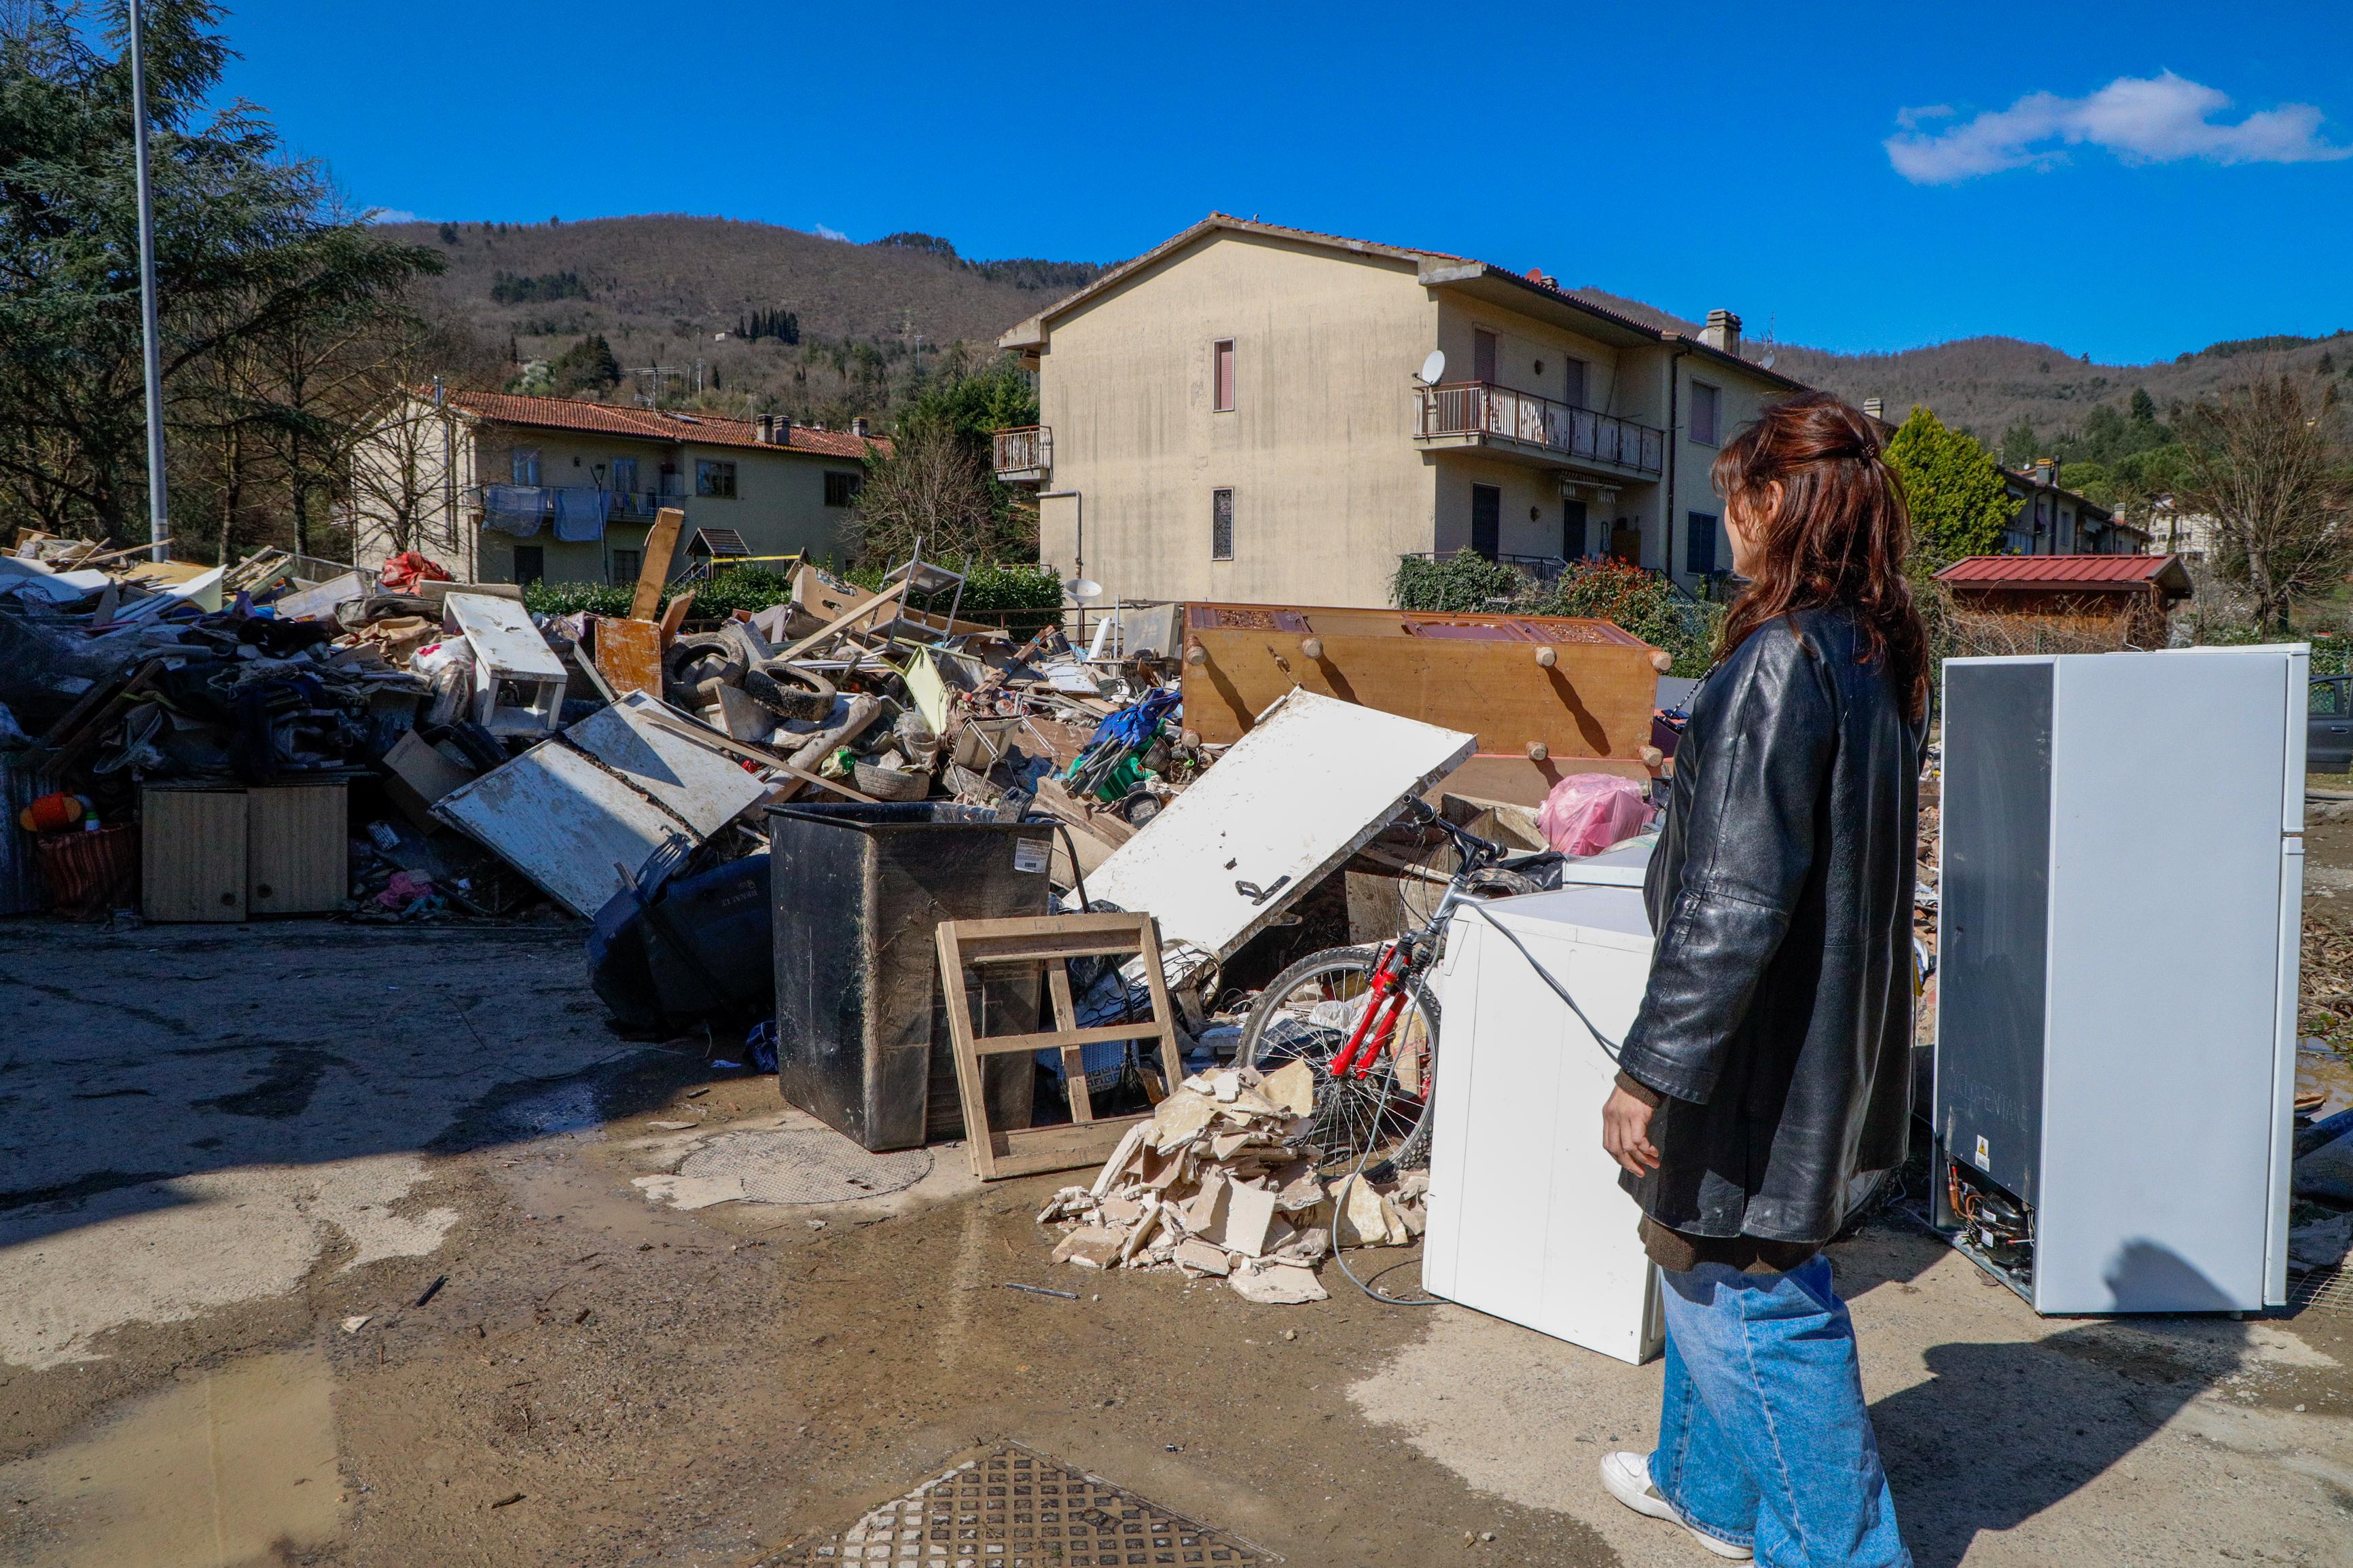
[1526,1220]
[2121,901]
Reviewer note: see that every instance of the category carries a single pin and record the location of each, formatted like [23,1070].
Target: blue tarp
[514,509]
[580,513]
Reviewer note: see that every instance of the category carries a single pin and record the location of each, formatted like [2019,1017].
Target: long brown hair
[1837,535]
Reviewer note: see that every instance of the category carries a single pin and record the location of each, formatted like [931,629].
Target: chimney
[764,429]
[2046,471]
[781,429]
[1874,409]
[858,425]
[1722,331]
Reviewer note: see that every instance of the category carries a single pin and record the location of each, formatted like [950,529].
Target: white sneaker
[1626,1477]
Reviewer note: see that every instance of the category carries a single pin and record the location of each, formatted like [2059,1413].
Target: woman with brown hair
[1764,1085]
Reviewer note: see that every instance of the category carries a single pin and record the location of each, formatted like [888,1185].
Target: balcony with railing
[1477,414]
[523,503]
[1025,455]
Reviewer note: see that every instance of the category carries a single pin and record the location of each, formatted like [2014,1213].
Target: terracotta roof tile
[2057,571]
[658,425]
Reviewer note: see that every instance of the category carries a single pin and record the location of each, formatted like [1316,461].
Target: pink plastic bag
[1586,812]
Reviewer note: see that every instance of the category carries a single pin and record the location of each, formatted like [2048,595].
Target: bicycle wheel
[1307,1013]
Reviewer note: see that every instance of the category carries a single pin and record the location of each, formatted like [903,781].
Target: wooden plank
[297,857]
[661,541]
[1074,1060]
[1067,1039]
[628,655]
[668,719]
[674,616]
[839,623]
[192,854]
[1517,781]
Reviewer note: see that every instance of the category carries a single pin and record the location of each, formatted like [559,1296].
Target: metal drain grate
[1016,1508]
[805,1165]
[2327,1291]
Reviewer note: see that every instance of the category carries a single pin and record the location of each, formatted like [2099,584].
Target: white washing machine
[1526,1220]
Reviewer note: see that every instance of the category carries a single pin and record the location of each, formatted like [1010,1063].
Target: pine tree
[1959,501]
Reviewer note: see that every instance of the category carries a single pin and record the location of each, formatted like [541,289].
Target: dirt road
[357,1246]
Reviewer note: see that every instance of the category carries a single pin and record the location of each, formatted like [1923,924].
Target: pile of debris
[1218,1184]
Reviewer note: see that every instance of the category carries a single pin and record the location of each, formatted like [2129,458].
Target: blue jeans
[1763,1436]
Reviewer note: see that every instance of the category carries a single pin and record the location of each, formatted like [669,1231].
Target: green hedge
[1638,601]
[989,589]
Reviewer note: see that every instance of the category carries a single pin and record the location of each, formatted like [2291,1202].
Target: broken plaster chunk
[1309,1247]
[1296,1189]
[1204,1212]
[1276,1285]
[1225,1086]
[1091,1247]
[1179,1117]
[1292,1086]
[1249,1217]
[1362,1217]
[1117,1164]
[1143,1230]
[1199,1257]
[1122,1211]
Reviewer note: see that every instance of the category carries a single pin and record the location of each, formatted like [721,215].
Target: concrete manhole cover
[803,1165]
[1016,1508]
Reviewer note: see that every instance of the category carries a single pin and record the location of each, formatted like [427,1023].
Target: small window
[1575,394]
[1221,376]
[1707,413]
[523,465]
[1699,548]
[1486,521]
[2327,699]
[625,474]
[626,565]
[531,563]
[1221,525]
[1482,356]
[715,479]
[842,488]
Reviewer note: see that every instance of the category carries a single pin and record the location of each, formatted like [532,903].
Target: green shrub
[1637,601]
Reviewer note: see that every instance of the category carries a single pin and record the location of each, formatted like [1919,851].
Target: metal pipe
[159,524]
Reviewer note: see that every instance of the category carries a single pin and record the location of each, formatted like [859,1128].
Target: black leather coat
[1779,1019]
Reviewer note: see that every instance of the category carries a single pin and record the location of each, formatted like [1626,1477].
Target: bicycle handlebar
[1476,852]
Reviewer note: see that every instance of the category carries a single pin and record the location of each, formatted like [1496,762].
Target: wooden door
[192,854]
[296,857]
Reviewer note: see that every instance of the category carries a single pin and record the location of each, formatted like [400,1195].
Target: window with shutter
[1221,374]
[1221,525]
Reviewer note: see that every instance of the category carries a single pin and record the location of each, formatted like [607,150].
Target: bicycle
[1364,1018]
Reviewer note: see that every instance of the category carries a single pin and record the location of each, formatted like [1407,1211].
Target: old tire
[789,691]
[889,784]
[691,660]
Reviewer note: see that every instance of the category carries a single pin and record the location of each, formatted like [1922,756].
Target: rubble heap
[1218,1183]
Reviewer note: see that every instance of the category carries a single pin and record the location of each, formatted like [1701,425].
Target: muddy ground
[336,1245]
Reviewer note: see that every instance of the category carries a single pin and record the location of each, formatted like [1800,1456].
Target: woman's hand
[1626,1133]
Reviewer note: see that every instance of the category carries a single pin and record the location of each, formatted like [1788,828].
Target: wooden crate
[1047,940]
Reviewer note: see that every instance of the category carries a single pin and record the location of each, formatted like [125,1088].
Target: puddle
[567,1109]
[2323,1068]
[231,1469]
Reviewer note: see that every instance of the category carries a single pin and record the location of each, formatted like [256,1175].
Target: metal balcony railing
[1026,452]
[1479,408]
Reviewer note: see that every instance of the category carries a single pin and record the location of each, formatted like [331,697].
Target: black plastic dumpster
[861,1021]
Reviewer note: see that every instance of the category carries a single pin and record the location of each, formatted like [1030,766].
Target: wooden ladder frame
[1047,939]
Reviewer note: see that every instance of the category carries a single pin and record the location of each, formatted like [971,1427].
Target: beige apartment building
[505,488]
[1258,414]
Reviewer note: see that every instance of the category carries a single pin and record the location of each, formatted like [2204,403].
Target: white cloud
[825,233]
[2142,120]
[391,215]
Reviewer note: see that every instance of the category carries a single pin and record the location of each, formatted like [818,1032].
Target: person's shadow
[2002,1431]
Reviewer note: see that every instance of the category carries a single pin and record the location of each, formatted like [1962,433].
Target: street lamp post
[159,525]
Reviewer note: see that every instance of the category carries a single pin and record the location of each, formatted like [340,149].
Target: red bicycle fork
[1368,1042]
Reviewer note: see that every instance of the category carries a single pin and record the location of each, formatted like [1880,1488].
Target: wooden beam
[835,626]
[661,542]
[674,616]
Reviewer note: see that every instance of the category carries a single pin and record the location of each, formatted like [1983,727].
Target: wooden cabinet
[229,854]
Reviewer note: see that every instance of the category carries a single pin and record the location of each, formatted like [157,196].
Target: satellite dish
[1434,367]
[1768,360]
[1085,590]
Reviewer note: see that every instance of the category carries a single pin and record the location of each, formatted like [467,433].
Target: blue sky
[2130,180]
